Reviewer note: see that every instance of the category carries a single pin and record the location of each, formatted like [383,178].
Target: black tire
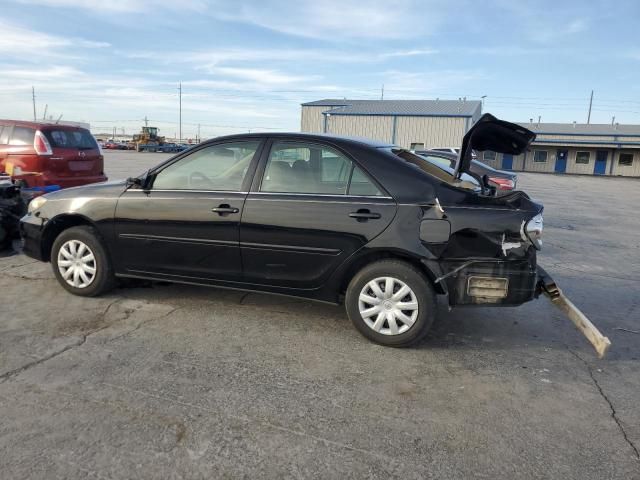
[104,279]
[415,280]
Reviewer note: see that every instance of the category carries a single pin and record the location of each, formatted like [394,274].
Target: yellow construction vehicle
[148,140]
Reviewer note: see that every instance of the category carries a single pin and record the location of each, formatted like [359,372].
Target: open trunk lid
[490,133]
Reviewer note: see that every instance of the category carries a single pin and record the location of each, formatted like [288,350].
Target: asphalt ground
[170,381]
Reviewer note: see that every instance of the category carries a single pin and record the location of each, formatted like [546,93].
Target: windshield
[438,167]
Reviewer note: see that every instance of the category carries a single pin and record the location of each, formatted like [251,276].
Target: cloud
[332,20]
[270,77]
[120,6]
[408,53]
[16,41]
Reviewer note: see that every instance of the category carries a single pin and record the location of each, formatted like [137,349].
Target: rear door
[310,207]
[185,222]
[75,153]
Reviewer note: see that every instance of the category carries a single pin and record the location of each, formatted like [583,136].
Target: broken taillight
[503,183]
[41,144]
[533,231]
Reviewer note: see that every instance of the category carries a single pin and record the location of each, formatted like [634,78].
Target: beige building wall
[628,171]
[572,167]
[583,168]
[377,127]
[434,132]
[312,120]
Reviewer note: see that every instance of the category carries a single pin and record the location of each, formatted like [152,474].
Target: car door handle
[225,209]
[363,215]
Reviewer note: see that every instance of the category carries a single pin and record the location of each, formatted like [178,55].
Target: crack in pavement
[81,341]
[6,269]
[144,322]
[614,415]
[11,373]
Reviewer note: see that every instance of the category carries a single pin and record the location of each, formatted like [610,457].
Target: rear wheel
[391,303]
[80,262]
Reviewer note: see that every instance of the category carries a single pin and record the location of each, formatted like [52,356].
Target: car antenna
[58,120]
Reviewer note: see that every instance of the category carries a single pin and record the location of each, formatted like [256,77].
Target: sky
[247,66]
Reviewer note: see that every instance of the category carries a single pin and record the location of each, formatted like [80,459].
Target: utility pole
[146,121]
[33,97]
[198,139]
[180,103]
[590,104]
[382,92]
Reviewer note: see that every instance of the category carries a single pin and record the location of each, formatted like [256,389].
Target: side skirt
[251,288]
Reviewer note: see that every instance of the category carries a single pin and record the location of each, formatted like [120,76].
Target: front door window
[216,168]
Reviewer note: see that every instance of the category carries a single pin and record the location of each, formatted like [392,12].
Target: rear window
[437,167]
[22,136]
[80,139]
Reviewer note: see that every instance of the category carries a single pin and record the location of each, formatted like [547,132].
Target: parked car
[171,148]
[42,154]
[501,180]
[326,218]
[452,150]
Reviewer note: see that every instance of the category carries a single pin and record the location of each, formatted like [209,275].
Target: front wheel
[391,303]
[80,262]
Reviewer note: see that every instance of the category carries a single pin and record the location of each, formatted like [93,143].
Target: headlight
[36,203]
[533,231]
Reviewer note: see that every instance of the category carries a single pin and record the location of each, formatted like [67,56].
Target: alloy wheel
[388,306]
[77,264]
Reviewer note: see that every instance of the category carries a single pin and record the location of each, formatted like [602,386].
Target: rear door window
[307,168]
[4,134]
[22,136]
[80,139]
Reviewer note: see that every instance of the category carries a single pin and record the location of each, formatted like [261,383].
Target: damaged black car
[333,219]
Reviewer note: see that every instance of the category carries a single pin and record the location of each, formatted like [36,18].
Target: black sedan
[499,179]
[320,217]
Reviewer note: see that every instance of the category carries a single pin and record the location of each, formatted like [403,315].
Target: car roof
[38,125]
[307,137]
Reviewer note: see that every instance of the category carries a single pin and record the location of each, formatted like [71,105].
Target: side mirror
[139,182]
[134,181]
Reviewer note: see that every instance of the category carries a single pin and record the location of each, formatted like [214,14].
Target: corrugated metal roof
[591,129]
[420,108]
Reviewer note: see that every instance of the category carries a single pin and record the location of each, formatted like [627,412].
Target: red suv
[42,154]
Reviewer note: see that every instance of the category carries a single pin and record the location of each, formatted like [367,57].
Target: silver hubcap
[388,306]
[76,264]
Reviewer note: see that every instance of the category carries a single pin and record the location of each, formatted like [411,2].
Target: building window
[488,156]
[540,156]
[583,157]
[625,159]
[416,146]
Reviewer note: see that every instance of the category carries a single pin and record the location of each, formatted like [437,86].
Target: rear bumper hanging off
[547,286]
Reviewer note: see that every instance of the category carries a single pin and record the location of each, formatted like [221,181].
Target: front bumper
[31,231]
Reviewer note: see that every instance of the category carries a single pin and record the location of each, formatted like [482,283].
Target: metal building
[412,124]
[595,149]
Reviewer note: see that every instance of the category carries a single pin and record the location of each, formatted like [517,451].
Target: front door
[185,221]
[561,161]
[507,161]
[600,167]
[310,209]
